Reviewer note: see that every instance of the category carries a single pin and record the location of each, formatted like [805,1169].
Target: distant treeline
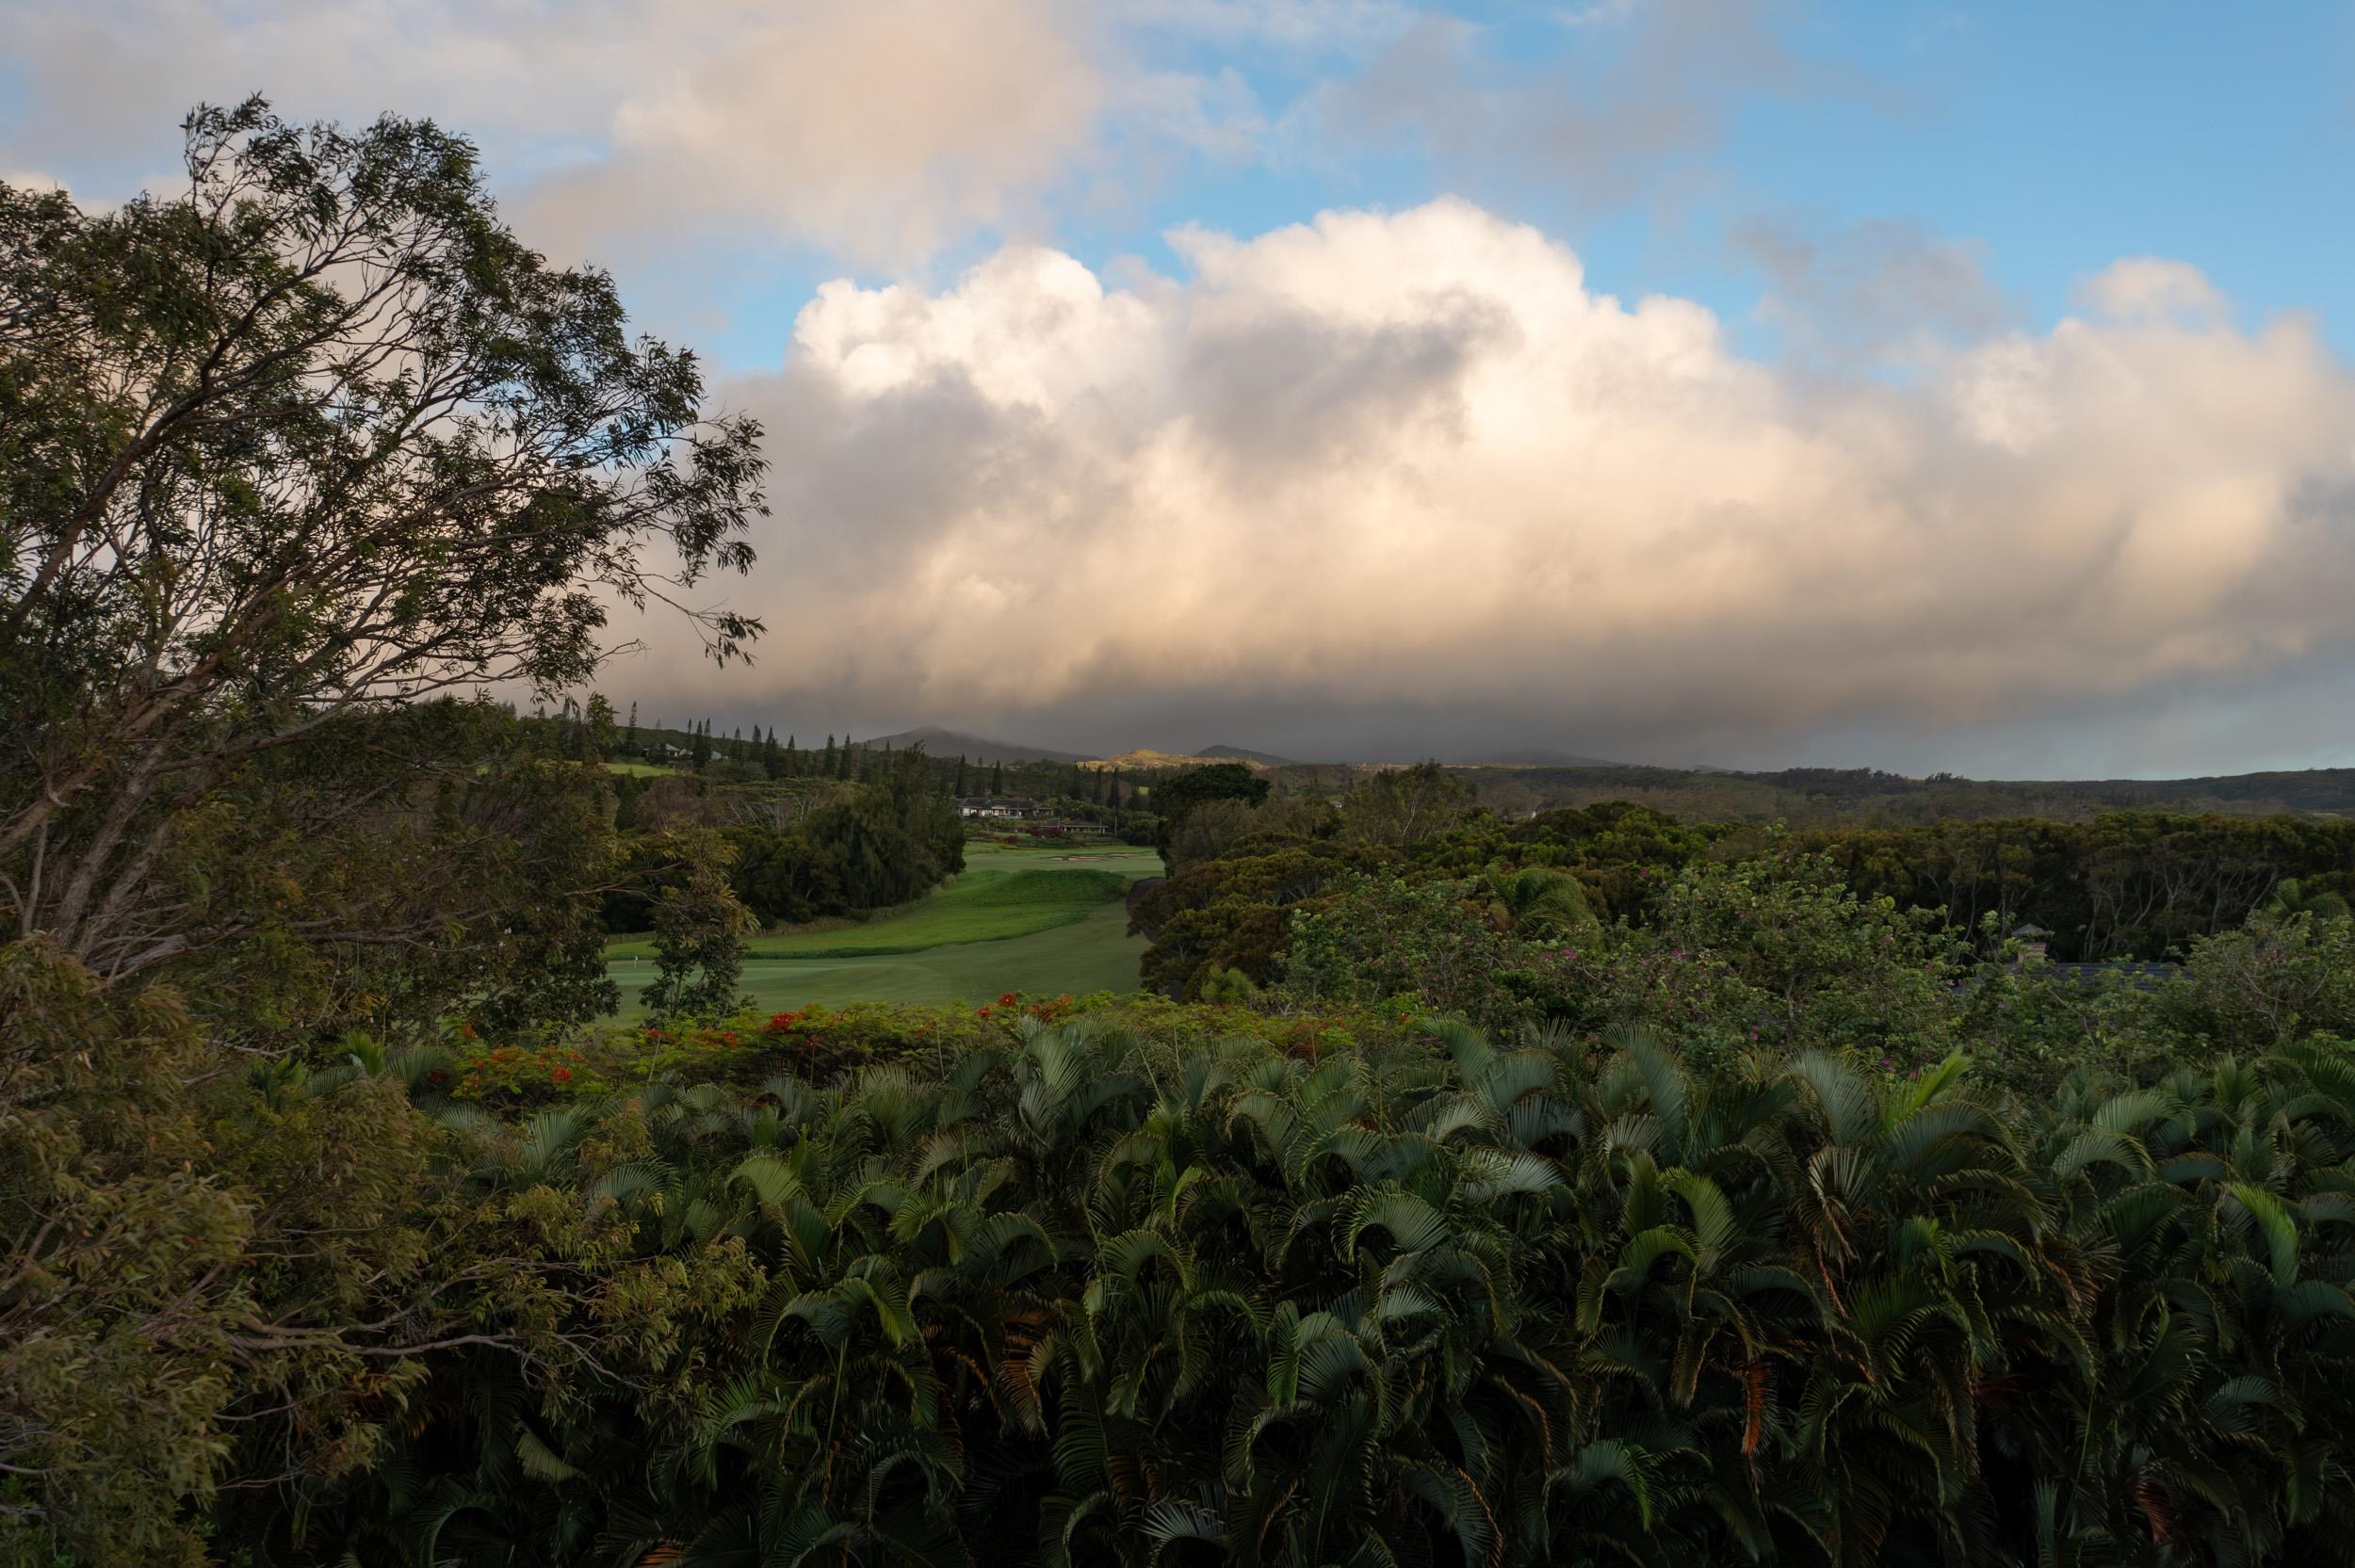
[2126,884]
[1824,797]
[741,757]
[2123,885]
[840,829]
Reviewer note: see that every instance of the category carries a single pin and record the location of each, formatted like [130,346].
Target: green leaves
[1100,1299]
[288,453]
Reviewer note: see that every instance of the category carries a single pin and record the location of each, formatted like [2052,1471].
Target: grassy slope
[1093,954]
[980,906]
[1034,920]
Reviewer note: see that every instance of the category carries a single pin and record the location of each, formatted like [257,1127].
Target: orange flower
[562,1074]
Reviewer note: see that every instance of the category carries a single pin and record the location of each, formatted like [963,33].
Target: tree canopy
[311,435]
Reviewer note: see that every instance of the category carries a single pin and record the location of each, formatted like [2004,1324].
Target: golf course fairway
[1042,921]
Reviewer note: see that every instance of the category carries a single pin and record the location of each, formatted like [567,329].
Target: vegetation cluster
[2122,885]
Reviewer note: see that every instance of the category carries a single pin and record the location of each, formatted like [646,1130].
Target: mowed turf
[1044,922]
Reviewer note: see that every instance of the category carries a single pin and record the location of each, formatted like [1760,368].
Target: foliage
[1814,799]
[1213,828]
[2274,979]
[244,1284]
[1218,780]
[699,932]
[2291,896]
[1538,904]
[1230,912]
[2125,884]
[1082,1295]
[1174,799]
[314,436]
[1379,937]
[107,1390]
[1227,985]
[1400,807]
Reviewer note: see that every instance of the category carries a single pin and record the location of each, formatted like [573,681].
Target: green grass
[1044,921]
[980,906]
[639,769]
[1095,953]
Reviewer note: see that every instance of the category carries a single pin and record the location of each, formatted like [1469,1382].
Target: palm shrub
[1093,1296]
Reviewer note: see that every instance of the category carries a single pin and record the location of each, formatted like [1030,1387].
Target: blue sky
[2054,138]
[1933,386]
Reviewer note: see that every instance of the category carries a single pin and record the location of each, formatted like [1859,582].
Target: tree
[1380,937]
[1404,806]
[313,436]
[599,732]
[1197,786]
[1218,780]
[2292,896]
[699,927]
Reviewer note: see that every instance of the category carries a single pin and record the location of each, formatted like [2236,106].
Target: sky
[1962,387]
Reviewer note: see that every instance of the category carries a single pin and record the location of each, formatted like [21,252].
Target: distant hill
[1237,754]
[1146,759]
[1539,756]
[948,743]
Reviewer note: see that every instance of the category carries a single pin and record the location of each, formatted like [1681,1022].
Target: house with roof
[1002,808]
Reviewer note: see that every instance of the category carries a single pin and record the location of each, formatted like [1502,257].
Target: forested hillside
[1827,796]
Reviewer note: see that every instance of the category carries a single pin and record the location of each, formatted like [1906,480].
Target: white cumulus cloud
[1410,464]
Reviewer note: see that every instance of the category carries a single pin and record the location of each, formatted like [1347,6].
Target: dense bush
[1082,1296]
[1892,1256]
[2125,884]
[1378,937]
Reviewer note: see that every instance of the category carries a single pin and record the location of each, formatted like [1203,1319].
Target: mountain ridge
[1244,753]
[940,742]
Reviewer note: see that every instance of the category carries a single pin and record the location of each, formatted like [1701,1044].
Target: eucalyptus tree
[307,439]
